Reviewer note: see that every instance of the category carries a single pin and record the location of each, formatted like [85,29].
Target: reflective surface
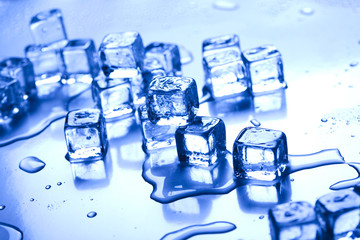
[110,199]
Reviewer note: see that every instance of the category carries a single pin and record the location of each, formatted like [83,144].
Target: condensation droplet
[48,187]
[324,120]
[59,183]
[307,11]
[32,199]
[255,122]
[31,165]
[92,214]
[2,207]
[225,5]
[261,217]
[354,64]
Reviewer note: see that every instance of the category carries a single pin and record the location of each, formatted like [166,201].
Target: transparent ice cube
[12,101]
[155,136]
[152,69]
[172,100]
[260,154]
[85,134]
[338,213]
[167,55]
[294,220]
[22,70]
[113,96]
[80,60]
[225,74]
[48,27]
[264,67]
[202,141]
[217,44]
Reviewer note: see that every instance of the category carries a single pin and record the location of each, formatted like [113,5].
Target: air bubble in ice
[31,164]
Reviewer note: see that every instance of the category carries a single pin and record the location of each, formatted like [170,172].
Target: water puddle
[348,183]
[9,232]
[31,164]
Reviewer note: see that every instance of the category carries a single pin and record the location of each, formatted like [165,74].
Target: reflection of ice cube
[12,102]
[90,170]
[260,154]
[202,141]
[168,56]
[271,102]
[48,27]
[172,100]
[113,96]
[219,43]
[85,134]
[22,70]
[265,68]
[294,220]
[80,59]
[338,213]
[155,136]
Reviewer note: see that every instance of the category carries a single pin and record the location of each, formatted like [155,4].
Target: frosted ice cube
[85,134]
[217,44]
[113,96]
[225,74]
[81,60]
[202,141]
[12,101]
[155,136]
[338,213]
[48,27]
[294,220]
[264,67]
[22,70]
[172,100]
[260,154]
[167,55]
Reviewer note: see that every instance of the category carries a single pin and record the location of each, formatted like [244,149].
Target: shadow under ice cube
[260,154]
[294,220]
[217,44]
[201,142]
[85,134]
[338,213]
[264,67]
[48,27]
[172,100]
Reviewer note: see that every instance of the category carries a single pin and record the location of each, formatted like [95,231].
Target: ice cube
[294,220]
[264,67]
[81,60]
[48,27]
[338,213]
[155,136]
[120,51]
[113,96]
[167,55]
[85,134]
[22,70]
[202,141]
[12,101]
[152,69]
[48,66]
[217,44]
[260,154]
[225,74]
[172,100]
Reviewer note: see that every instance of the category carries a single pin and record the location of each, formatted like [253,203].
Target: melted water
[9,232]
[349,182]
[31,164]
[190,231]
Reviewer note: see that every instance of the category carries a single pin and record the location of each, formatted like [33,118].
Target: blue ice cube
[218,44]
[81,60]
[167,55]
[48,27]
[22,70]
[202,141]
[113,96]
[85,134]
[152,69]
[338,213]
[225,74]
[48,66]
[12,101]
[294,220]
[264,67]
[172,100]
[260,154]
[155,136]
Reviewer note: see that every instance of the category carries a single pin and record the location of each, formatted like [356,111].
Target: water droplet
[255,122]
[225,5]
[91,199]
[32,199]
[48,187]
[261,217]
[307,11]
[2,207]
[91,214]
[354,64]
[324,120]
[59,183]
[31,165]
[352,136]
[291,179]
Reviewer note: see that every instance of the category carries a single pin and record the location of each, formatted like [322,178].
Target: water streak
[10,232]
[31,164]
[193,230]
